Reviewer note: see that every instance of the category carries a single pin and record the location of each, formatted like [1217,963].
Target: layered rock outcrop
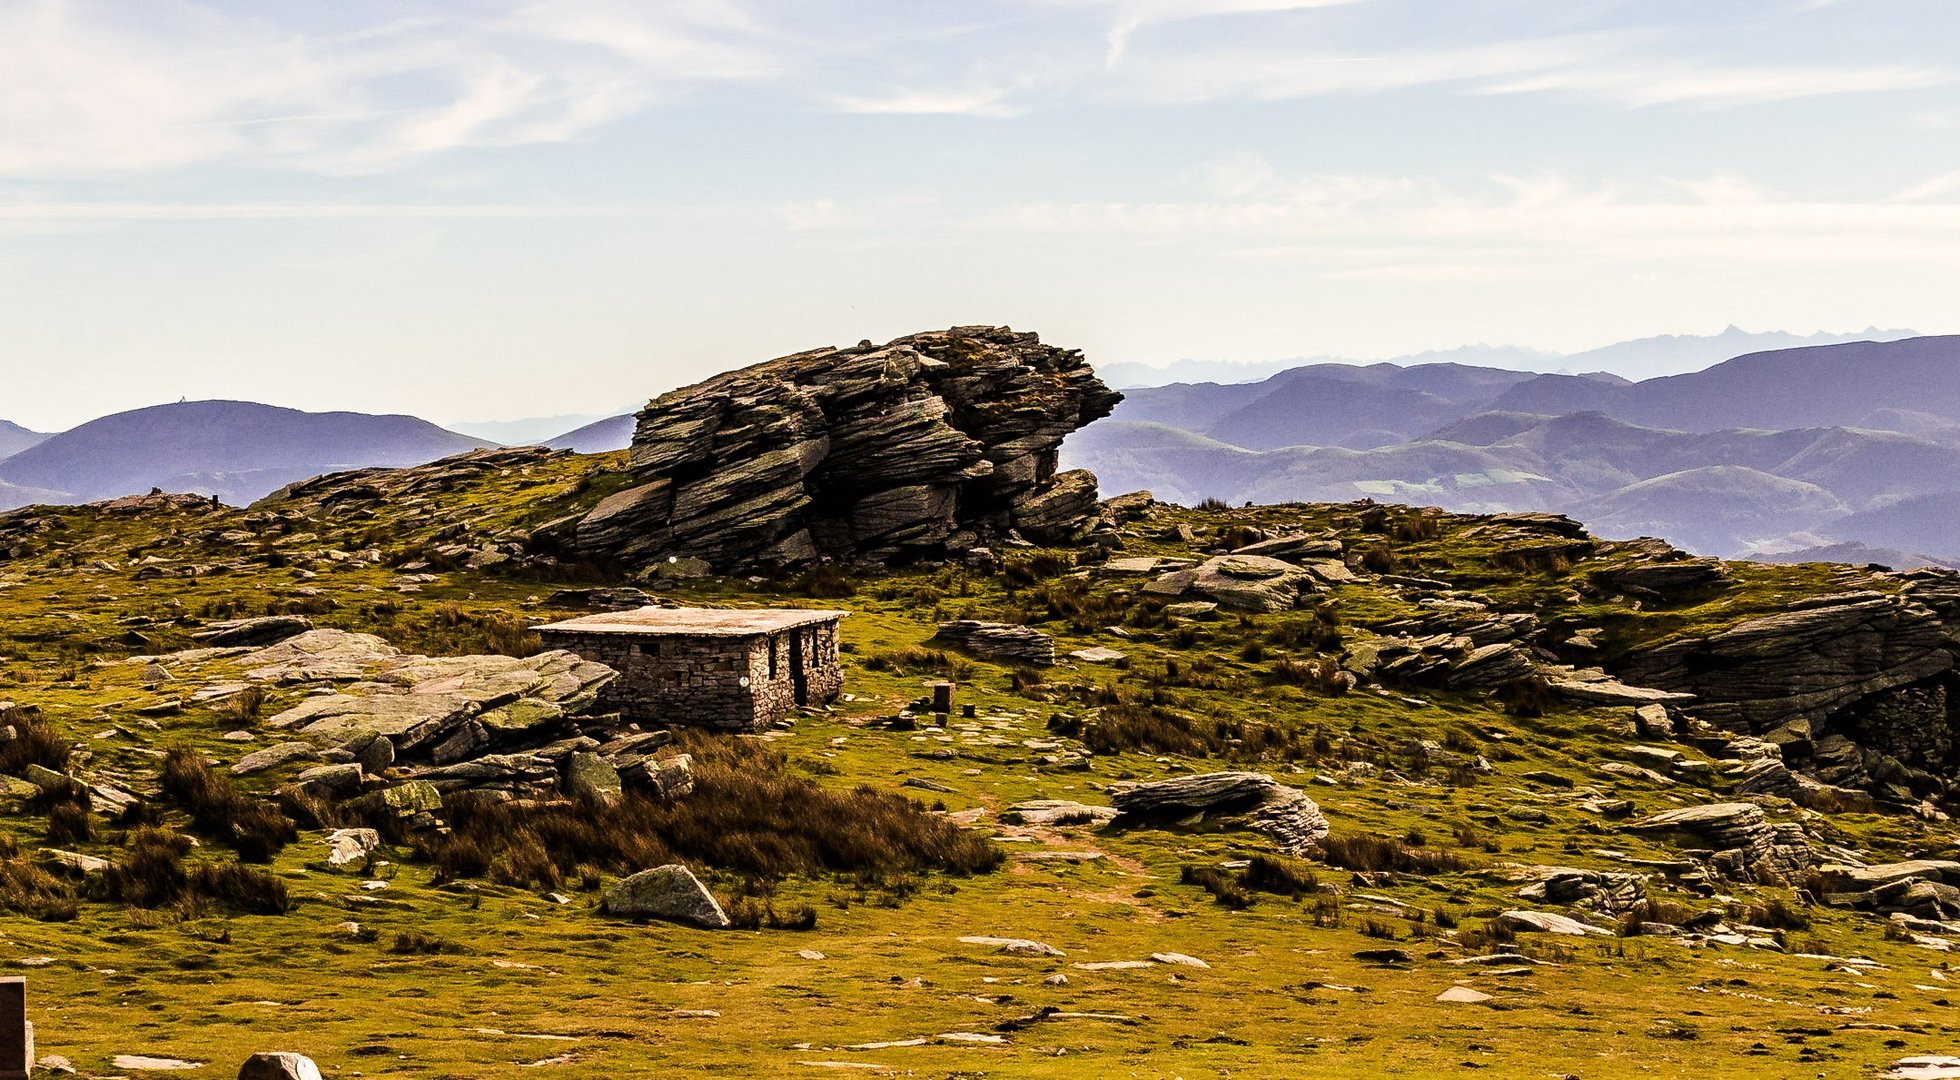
[1806,663]
[934,443]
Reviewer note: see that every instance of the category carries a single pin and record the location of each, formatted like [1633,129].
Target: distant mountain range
[235,450]
[1768,453]
[1847,450]
[1642,358]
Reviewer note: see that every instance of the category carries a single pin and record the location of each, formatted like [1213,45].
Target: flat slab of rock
[1924,1067]
[670,892]
[1549,922]
[1015,946]
[1463,995]
[1854,878]
[1249,583]
[1098,655]
[1061,812]
[448,707]
[1614,692]
[273,756]
[266,630]
[146,1063]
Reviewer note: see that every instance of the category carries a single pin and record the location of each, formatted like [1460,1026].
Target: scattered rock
[1250,583]
[279,1065]
[1000,641]
[348,846]
[1060,812]
[589,776]
[1463,995]
[1746,845]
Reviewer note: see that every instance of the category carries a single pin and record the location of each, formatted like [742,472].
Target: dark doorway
[799,680]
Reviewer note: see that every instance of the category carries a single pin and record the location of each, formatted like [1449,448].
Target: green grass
[468,978]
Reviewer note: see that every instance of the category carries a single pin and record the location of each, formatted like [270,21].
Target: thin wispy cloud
[1639,84]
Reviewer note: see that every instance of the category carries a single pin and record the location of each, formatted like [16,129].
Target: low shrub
[748,814]
[255,828]
[1220,884]
[35,742]
[70,823]
[31,890]
[1277,874]
[1383,853]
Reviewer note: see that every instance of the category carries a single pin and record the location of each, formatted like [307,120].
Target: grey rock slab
[273,756]
[348,846]
[670,892]
[1923,1067]
[1061,811]
[589,776]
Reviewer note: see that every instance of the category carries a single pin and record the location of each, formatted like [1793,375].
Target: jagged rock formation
[933,443]
[1251,800]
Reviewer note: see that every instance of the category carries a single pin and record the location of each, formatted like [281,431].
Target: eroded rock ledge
[934,443]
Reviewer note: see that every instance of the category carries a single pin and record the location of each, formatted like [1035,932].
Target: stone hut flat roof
[695,622]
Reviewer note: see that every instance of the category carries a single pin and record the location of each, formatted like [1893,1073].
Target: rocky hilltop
[932,443]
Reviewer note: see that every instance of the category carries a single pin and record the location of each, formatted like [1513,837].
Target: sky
[487,209]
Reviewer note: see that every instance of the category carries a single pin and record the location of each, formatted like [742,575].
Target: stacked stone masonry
[735,670]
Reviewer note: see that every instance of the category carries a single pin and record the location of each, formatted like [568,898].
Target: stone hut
[735,669]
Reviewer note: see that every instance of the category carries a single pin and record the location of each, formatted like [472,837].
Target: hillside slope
[14,439]
[237,451]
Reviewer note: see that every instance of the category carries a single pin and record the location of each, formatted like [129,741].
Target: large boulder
[669,892]
[441,708]
[1245,799]
[925,446]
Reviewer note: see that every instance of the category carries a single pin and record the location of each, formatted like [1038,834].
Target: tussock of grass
[151,874]
[748,814]
[1223,887]
[35,742]
[256,828]
[1373,854]
[31,890]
